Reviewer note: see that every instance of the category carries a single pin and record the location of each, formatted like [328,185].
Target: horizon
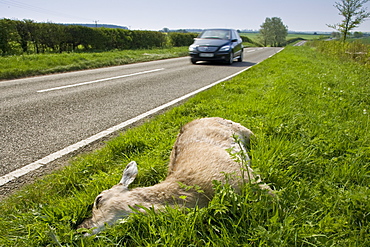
[298,15]
[187,29]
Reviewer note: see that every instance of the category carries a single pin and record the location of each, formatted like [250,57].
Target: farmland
[306,36]
[310,115]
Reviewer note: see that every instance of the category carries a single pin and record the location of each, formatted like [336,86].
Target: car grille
[207,48]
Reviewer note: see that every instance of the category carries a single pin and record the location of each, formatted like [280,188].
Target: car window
[215,34]
[235,35]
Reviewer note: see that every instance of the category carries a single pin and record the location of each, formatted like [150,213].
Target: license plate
[206,54]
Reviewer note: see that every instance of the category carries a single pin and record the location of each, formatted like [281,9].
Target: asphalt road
[41,115]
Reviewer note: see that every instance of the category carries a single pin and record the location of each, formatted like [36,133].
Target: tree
[273,32]
[8,36]
[358,35]
[166,30]
[354,14]
[24,29]
[335,35]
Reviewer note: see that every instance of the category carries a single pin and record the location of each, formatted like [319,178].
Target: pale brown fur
[200,155]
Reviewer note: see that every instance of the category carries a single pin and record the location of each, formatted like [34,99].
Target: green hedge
[182,39]
[28,37]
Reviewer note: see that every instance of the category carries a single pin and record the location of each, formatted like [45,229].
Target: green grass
[306,36]
[357,51]
[363,40]
[254,36]
[310,116]
[12,67]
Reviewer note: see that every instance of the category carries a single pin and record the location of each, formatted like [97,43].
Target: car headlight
[225,48]
[193,48]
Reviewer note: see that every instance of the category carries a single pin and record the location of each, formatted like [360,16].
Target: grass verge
[12,67]
[357,50]
[310,116]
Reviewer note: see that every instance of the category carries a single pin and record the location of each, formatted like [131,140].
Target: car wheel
[193,61]
[240,59]
[231,59]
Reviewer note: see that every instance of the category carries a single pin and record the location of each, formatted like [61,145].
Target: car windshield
[215,34]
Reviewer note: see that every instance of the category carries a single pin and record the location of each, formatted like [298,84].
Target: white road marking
[37,164]
[100,80]
[276,52]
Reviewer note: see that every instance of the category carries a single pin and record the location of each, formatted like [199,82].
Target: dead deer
[201,154]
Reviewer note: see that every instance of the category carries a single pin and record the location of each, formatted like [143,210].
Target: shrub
[182,39]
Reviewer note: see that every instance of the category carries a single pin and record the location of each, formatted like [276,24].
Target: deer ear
[129,174]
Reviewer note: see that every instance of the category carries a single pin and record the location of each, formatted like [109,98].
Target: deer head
[112,204]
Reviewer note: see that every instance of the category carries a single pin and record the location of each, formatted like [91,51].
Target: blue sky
[298,15]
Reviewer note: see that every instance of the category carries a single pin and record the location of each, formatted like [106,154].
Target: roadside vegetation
[12,67]
[355,50]
[28,48]
[29,37]
[310,115]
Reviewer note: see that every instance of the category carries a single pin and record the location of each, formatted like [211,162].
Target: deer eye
[97,201]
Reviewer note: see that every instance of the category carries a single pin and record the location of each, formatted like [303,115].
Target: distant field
[254,36]
[306,36]
[364,40]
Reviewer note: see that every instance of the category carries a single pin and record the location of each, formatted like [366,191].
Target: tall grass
[357,50]
[12,67]
[310,116]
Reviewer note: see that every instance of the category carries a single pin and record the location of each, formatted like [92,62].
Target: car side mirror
[234,40]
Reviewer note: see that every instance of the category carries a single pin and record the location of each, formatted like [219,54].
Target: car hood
[211,42]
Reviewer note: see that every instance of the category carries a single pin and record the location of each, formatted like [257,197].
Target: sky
[298,15]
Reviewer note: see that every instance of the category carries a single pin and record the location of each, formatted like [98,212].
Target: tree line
[27,37]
